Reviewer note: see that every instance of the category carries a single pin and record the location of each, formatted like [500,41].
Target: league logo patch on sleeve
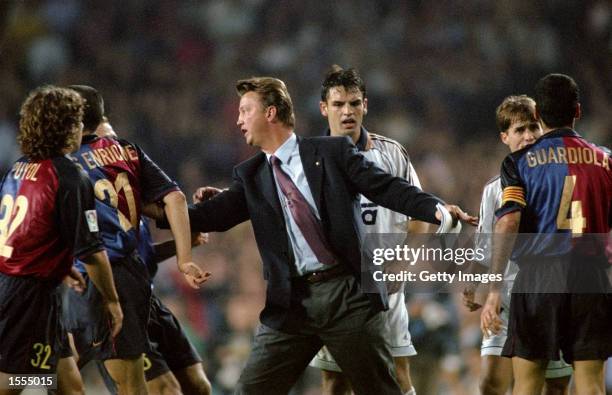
[92,220]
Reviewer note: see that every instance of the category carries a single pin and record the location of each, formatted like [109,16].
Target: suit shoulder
[325,139]
[250,164]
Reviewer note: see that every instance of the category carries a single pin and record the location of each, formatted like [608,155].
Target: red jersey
[47,218]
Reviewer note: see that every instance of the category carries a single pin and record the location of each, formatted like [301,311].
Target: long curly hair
[51,120]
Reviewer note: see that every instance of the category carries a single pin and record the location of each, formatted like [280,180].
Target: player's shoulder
[64,166]
[492,187]
[68,172]
[122,142]
[387,144]
[492,182]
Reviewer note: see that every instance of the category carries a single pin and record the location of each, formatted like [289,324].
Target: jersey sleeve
[488,204]
[513,190]
[76,210]
[155,184]
[412,176]
[409,173]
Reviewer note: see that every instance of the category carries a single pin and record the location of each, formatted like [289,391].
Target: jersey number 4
[13,213]
[576,221]
[104,187]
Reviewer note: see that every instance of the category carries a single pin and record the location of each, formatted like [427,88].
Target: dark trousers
[339,316]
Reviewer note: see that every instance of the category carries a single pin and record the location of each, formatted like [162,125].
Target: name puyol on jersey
[92,220]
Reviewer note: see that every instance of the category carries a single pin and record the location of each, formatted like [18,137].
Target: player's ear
[503,136]
[537,114]
[365,106]
[323,108]
[578,113]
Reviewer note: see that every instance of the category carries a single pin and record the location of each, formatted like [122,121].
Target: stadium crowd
[435,72]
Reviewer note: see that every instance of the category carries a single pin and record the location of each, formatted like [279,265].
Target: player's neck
[548,129]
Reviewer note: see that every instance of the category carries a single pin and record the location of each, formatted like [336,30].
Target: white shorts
[493,345]
[396,333]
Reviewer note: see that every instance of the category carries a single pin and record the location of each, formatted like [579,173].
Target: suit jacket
[336,174]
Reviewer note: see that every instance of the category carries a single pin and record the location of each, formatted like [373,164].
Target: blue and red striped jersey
[562,184]
[124,178]
[47,218]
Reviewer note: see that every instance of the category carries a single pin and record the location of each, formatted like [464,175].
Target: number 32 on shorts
[42,352]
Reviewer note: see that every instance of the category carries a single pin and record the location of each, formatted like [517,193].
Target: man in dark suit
[302,196]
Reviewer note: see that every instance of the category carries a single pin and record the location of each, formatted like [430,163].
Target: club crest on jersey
[92,220]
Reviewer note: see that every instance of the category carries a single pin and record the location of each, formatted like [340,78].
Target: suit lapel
[313,169]
[268,187]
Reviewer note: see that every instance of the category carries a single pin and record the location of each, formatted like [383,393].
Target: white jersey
[390,156]
[491,201]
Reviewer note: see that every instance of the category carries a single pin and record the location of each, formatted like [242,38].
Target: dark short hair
[94,106]
[49,120]
[557,96]
[337,76]
[521,107]
[273,92]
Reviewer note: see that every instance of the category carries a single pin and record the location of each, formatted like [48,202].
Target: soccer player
[124,178]
[561,184]
[518,128]
[172,365]
[344,104]
[48,217]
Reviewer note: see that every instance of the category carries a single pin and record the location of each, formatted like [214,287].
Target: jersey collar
[564,132]
[88,138]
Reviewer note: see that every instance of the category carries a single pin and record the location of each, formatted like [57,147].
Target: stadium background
[435,70]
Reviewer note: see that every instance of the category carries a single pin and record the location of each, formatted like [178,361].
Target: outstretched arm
[391,192]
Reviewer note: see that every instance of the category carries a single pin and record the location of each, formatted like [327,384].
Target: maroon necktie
[302,215]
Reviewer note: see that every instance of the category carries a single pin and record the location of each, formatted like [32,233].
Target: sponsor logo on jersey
[92,220]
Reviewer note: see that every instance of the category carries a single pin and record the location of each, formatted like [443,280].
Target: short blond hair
[514,107]
[273,92]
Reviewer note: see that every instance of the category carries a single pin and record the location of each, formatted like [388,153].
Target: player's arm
[99,271]
[506,228]
[175,208]
[167,249]
[488,203]
[157,186]
[79,227]
[415,226]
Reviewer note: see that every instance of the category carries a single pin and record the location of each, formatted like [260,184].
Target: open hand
[193,274]
[490,322]
[458,215]
[116,316]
